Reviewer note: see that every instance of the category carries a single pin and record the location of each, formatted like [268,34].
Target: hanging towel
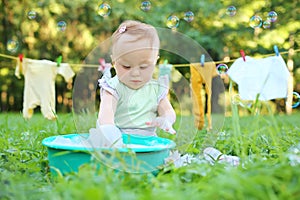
[202,75]
[39,86]
[267,77]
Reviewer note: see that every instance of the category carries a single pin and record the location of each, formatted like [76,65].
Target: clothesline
[174,65]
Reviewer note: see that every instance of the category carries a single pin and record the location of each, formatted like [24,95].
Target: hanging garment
[202,75]
[266,78]
[165,69]
[39,86]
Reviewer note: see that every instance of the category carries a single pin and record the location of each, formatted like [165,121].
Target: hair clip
[122,29]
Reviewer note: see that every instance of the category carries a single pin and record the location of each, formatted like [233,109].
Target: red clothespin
[276,50]
[202,60]
[21,61]
[243,54]
[21,57]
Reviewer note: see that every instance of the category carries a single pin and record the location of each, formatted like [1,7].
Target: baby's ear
[157,59]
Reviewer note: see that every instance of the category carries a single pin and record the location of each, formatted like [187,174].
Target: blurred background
[46,29]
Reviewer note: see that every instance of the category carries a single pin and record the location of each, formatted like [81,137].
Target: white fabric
[267,77]
[39,86]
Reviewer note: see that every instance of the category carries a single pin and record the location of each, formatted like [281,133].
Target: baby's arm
[166,116]
[166,110]
[106,134]
[107,108]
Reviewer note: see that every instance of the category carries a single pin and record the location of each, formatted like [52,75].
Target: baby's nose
[135,71]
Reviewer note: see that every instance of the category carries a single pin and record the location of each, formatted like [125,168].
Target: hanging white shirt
[267,77]
[39,86]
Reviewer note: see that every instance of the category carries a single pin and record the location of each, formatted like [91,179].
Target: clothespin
[58,60]
[202,60]
[20,64]
[21,57]
[276,50]
[102,64]
[243,54]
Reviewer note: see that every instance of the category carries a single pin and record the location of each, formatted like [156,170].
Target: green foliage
[265,171]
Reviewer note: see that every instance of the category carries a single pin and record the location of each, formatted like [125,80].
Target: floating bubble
[145,6]
[104,10]
[222,68]
[31,15]
[172,21]
[231,11]
[61,25]
[188,16]
[181,91]
[255,21]
[272,16]
[266,24]
[236,99]
[296,100]
[12,45]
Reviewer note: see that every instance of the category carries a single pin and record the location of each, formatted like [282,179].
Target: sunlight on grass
[263,143]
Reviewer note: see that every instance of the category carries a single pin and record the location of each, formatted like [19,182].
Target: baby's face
[136,68]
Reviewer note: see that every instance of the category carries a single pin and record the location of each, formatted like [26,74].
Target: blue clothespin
[202,60]
[276,50]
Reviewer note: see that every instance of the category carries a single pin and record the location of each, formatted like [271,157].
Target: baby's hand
[163,123]
[105,136]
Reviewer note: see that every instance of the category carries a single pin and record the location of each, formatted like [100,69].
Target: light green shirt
[136,107]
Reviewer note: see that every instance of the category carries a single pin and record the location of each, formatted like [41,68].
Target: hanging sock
[202,75]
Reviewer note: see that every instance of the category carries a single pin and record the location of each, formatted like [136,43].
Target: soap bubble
[222,68]
[236,99]
[231,11]
[12,45]
[31,14]
[85,95]
[172,21]
[104,10]
[145,6]
[188,16]
[255,21]
[266,24]
[61,25]
[296,100]
[272,16]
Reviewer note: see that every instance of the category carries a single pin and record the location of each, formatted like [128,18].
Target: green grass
[261,141]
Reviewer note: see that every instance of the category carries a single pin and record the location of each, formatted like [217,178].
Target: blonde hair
[133,35]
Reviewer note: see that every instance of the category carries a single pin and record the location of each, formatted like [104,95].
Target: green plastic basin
[138,159]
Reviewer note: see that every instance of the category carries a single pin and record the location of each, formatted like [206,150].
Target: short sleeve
[65,70]
[109,85]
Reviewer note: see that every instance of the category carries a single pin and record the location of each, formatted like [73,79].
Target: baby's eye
[126,67]
[144,66]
